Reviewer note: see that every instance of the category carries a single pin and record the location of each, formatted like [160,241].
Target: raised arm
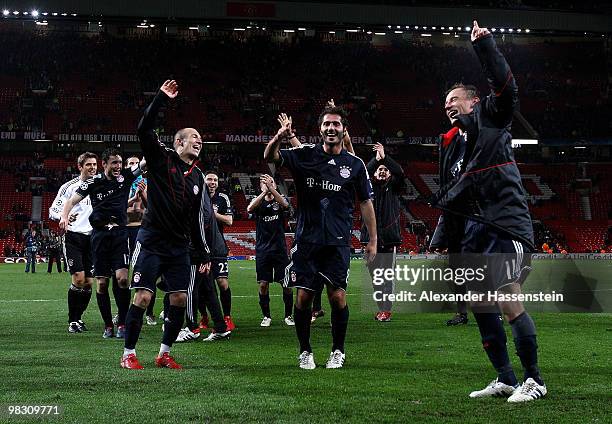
[503,99]
[256,202]
[271,154]
[149,141]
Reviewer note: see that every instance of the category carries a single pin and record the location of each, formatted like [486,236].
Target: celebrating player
[77,242]
[108,191]
[270,248]
[327,179]
[176,198]
[498,226]
[388,182]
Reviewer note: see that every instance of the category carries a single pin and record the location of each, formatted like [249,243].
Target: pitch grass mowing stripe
[413,369]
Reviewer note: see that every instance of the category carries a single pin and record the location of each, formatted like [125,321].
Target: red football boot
[131,362]
[167,361]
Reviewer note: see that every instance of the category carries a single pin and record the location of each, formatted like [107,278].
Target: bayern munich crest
[120,178]
[345,171]
[275,206]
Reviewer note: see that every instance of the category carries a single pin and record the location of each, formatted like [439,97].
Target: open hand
[170,88]
[478,32]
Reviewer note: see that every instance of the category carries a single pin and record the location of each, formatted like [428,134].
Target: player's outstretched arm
[146,127]
[503,99]
[369,219]
[271,153]
[256,202]
[70,203]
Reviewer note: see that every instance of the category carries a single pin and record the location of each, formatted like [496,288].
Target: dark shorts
[110,250]
[504,260]
[271,267]
[312,266]
[148,267]
[219,268]
[77,253]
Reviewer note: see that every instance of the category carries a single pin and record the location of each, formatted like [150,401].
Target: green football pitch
[413,369]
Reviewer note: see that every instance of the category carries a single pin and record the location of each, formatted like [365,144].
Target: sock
[226,301]
[302,327]
[164,348]
[173,324]
[524,332]
[84,298]
[166,304]
[288,301]
[339,322]
[494,339]
[264,303]
[151,306]
[123,304]
[105,308]
[127,352]
[133,324]
[73,303]
[316,303]
[116,289]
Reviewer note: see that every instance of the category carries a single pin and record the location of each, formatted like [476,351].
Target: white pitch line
[29,300]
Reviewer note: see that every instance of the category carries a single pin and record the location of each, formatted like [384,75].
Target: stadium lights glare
[239,29]
[142,26]
[301,29]
[511,30]
[34,13]
[527,30]
[416,27]
[433,28]
[5,12]
[64,14]
[424,27]
[493,29]
[352,30]
[151,25]
[287,30]
[456,36]
[425,35]
[398,32]
[27,13]
[398,27]
[332,32]
[15,12]
[451,28]
[502,30]
[369,32]
[380,33]
[443,28]
[519,30]
[74,14]
[194,28]
[446,33]
[54,13]
[45,13]
[467,28]
[389,26]
[41,23]
[579,147]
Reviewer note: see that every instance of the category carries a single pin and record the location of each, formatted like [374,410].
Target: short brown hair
[84,156]
[336,110]
[470,90]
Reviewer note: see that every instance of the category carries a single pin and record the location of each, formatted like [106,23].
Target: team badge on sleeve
[196,190]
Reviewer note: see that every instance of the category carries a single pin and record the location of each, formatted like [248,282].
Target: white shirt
[82,209]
